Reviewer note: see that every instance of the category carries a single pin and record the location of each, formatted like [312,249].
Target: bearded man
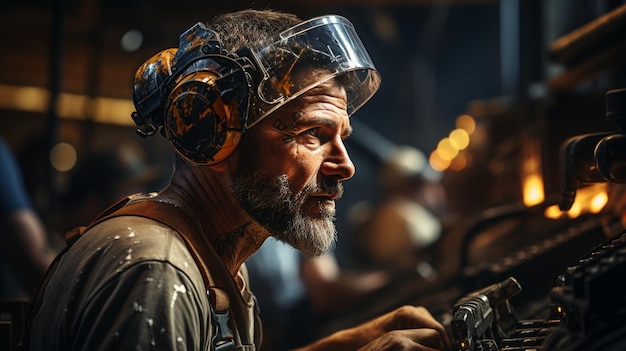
[256,105]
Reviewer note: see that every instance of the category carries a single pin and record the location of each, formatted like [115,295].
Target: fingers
[408,316]
[423,339]
[411,317]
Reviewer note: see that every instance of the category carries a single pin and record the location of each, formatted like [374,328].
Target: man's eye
[313,131]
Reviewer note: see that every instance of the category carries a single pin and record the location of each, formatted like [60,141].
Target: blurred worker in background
[296,294]
[406,222]
[25,249]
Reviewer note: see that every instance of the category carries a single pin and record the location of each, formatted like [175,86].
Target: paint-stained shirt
[122,287]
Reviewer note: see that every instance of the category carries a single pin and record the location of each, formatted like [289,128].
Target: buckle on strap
[223,339]
[225,346]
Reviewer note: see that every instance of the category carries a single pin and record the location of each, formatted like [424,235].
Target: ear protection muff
[197,96]
[205,111]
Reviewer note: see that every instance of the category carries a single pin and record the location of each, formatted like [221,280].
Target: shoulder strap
[221,286]
[128,207]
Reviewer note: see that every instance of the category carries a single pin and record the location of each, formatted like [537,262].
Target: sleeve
[137,311]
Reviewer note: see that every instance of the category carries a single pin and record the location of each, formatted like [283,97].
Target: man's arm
[406,328]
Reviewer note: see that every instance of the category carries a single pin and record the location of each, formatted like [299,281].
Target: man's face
[291,166]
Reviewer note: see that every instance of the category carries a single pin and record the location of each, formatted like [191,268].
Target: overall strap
[221,285]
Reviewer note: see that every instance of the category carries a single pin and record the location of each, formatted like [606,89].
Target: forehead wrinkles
[324,102]
[328,88]
[327,96]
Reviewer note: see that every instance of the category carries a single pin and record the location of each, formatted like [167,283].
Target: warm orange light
[459,138]
[590,199]
[598,202]
[446,150]
[575,211]
[63,157]
[467,123]
[26,98]
[438,163]
[458,163]
[74,106]
[533,190]
[532,177]
[553,212]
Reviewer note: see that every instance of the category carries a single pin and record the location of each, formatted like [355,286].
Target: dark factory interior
[536,194]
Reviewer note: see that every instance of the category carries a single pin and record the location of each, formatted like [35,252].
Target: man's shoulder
[134,264]
[125,241]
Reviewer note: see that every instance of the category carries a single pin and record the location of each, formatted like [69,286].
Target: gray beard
[271,203]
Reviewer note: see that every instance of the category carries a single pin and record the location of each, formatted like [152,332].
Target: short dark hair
[251,28]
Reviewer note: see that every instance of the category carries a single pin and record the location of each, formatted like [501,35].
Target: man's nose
[338,162]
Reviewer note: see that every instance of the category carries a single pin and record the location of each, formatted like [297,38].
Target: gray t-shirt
[122,287]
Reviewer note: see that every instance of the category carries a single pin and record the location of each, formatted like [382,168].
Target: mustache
[325,187]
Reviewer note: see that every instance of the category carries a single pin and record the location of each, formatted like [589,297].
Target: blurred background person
[24,243]
[296,295]
[398,231]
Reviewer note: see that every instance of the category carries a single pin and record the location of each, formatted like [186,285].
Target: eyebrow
[329,123]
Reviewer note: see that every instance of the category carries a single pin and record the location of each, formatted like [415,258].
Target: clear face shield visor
[307,55]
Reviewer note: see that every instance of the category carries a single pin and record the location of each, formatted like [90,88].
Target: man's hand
[406,328]
[409,339]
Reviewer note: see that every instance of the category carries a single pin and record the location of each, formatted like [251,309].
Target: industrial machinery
[586,306]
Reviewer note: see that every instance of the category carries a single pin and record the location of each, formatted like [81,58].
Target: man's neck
[204,196]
